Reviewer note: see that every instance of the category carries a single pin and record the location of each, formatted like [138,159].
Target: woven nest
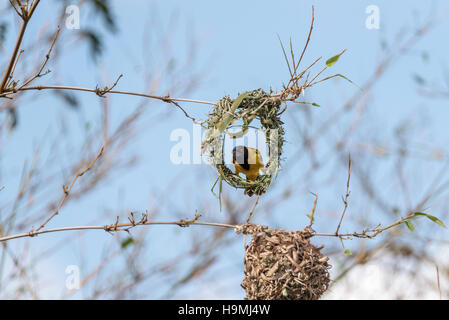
[283,265]
[256,104]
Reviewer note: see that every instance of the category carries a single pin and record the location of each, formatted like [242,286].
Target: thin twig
[14,68]
[55,87]
[67,190]
[438,280]
[26,16]
[308,39]
[345,199]
[252,211]
[17,11]
[313,209]
[116,227]
[102,92]
[13,56]
[47,57]
[367,233]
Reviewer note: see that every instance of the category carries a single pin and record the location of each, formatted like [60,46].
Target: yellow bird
[247,161]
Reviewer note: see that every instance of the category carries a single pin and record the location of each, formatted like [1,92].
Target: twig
[180,108]
[102,92]
[313,209]
[438,280]
[322,80]
[252,211]
[186,223]
[311,83]
[294,77]
[116,227]
[26,16]
[55,87]
[367,233]
[106,90]
[47,57]
[13,56]
[292,90]
[14,68]
[308,38]
[345,199]
[67,190]
[17,11]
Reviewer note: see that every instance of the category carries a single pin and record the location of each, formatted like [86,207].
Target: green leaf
[305,102]
[347,251]
[225,122]
[409,225]
[128,241]
[331,61]
[347,79]
[285,56]
[240,133]
[434,219]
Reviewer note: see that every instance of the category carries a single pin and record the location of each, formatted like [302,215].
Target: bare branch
[67,190]
[117,227]
[47,57]
[345,199]
[26,16]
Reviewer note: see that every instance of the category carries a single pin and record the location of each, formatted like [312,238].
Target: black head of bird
[247,161]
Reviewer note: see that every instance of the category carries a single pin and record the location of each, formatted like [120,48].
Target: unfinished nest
[283,265]
[248,106]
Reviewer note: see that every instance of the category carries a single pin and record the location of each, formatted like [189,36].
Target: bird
[247,161]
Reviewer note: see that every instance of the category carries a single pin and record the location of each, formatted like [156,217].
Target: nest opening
[255,104]
[283,265]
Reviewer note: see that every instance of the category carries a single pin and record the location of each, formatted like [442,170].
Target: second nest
[283,265]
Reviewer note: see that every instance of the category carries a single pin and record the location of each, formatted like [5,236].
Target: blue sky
[236,49]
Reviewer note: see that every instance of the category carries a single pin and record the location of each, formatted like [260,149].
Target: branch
[345,199]
[368,233]
[102,92]
[47,57]
[26,16]
[313,210]
[67,190]
[117,227]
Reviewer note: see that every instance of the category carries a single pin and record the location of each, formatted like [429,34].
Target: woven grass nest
[248,106]
[283,265]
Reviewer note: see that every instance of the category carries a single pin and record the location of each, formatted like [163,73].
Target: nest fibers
[248,106]
[283,265]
